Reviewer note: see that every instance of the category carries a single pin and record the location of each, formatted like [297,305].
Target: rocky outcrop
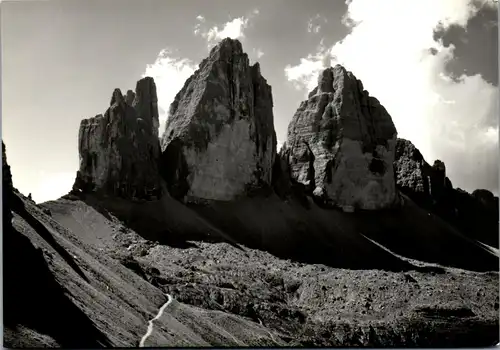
[425,184]
[412,172]
[488,200]
[219,141]
[7,189]
[342,144]
[119,151]
[281,178]
[282,183]
[476,215]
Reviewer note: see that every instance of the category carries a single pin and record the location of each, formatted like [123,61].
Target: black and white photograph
[250,174]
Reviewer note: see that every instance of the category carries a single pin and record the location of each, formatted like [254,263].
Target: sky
[432,63]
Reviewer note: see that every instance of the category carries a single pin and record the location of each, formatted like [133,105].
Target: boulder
[119,151]
[342,144]
[219,141]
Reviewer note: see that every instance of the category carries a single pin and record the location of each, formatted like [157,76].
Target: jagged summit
[227,45]
[219,139]
[119,150]
[341,144]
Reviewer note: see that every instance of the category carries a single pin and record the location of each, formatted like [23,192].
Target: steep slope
[475,215]
[84,298]
[289,229]
[306,304]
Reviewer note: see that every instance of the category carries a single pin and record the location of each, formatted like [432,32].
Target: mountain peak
[219,139]
[119,150]
[342,144]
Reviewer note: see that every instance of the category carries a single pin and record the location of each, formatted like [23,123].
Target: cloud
[197,27]
[170,73]
[305,74]
[258,53]
[314,24]
[391,48]
[234,29]
[52,186]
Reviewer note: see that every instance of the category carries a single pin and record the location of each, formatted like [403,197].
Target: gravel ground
[314,304]
[62,291]
[229,294]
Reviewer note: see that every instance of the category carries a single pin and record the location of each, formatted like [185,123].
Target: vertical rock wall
[342,144]
[219,141]
[119,151]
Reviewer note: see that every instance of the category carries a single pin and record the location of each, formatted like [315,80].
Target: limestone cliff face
[119,151]
[219,139]
[342,144]
[413,173]
[425,184]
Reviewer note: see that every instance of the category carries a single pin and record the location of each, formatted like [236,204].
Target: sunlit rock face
[413,173]
[219,141]
[342,144]
[119,151]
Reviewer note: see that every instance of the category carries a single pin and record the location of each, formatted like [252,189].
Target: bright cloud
[314,24]
[305,74]
[170,73]
[389,50]
[234,29]
[258,53]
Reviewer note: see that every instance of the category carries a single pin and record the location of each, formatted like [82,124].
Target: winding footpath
[157,317]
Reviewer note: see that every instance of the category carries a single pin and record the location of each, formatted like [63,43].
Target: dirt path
[157,317]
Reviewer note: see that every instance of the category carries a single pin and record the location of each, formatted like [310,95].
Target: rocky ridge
[342,144]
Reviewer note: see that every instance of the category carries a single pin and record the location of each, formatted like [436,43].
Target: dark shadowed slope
[29,281]
[62,291]
[474,214]
[84,294]
[287,229]
[333,238]
[304,304]
[112,309]
[418,234]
